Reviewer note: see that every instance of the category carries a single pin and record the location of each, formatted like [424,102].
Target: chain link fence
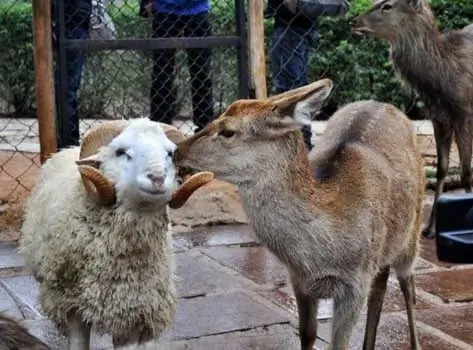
[176,83]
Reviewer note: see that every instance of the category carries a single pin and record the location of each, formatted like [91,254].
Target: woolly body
[111,265]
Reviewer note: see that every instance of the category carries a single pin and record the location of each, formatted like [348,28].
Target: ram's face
[139,162]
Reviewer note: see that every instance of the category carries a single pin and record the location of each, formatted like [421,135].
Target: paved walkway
[234,295]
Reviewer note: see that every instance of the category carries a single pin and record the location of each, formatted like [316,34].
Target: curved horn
[192,184]
[101,136]
[172,133]
[98,187]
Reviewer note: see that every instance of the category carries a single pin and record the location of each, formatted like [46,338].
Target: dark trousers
[163,93]
[290,62]
[74,65]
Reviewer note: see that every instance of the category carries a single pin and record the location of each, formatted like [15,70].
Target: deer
[340,217]
[438,66]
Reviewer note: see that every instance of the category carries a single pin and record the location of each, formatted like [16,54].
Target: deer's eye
[227,133]
[386,7]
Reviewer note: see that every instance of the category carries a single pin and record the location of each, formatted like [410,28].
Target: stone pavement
[234,295]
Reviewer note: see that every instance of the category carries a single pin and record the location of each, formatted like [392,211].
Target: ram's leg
[79,332]
[135,336]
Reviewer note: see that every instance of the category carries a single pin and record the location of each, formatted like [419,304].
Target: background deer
[338,219]
[439,67]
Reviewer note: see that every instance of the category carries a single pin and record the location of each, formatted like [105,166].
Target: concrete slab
[454,285]
[219,235]
[25,289]
[393,334]
[45,330]
[197,278]
[274,338]
[256,263]
[284,297]
[9,257]
[8,305]
[223,313]
[456,321]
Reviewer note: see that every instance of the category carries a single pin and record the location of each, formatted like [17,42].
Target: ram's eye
[122,152]
[227,133]
[386,7]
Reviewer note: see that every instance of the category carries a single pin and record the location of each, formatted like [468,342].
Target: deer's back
[368,155]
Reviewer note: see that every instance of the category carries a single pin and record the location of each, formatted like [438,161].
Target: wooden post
[256,42]
[44,78]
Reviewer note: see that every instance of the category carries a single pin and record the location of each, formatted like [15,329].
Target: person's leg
[289,64]
[74,67]
[199,62]
[163,94]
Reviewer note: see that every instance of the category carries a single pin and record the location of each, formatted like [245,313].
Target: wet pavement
[235,295]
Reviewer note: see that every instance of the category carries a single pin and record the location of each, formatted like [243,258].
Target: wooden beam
[256,43]
[44,78]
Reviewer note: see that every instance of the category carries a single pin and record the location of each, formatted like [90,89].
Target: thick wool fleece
[112,265]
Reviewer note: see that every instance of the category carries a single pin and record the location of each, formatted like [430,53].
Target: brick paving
[235,295]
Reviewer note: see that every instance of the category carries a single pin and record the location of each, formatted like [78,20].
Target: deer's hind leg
[443,142]
[405,276]
[347,307]
[307,312]
[375,304]
[464,140]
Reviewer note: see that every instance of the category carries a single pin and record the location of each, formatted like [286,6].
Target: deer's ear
[302,103]
[415,4]
[275,128]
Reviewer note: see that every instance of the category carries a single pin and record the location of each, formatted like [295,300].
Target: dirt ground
[214,204]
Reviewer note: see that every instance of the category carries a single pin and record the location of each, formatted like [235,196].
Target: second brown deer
[439,67]
[338,218]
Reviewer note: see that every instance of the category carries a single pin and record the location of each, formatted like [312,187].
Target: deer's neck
[283,211]
[421,57]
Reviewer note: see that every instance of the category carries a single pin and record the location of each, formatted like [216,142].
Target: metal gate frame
[239,41]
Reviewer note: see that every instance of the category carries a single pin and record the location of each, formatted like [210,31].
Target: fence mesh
[185,87]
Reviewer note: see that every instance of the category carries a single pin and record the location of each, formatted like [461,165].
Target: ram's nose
[156,179]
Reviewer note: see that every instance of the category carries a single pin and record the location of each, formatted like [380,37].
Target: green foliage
[16,56]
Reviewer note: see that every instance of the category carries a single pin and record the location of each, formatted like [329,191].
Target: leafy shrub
[16,58]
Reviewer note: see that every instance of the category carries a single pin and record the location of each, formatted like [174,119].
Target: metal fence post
[242,53]
[61,76]
[44,83]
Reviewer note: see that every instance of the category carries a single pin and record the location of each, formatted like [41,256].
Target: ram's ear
[92,161]
[302,103]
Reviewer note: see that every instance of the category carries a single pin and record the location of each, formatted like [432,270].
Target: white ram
[98,240]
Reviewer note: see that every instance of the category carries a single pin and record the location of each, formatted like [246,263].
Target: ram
[96,234]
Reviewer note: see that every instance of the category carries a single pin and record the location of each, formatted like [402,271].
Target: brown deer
[338,218]
[14,336]
[439,67]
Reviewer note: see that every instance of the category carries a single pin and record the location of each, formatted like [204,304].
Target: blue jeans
[290,62]
[74,65]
